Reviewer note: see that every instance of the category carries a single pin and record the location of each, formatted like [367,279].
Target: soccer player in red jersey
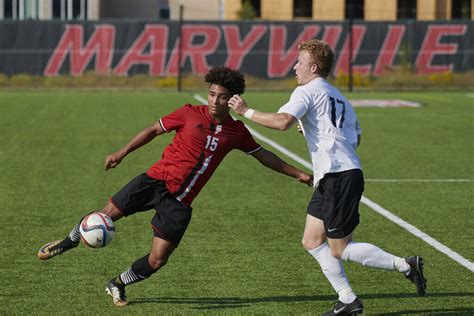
[204,135]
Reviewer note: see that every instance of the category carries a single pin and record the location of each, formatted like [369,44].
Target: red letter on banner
[236,49]
[196,52]
[280,62]
[100,43]
[389,49]
[331,35]
[431,46]
[154,36]
[342,64]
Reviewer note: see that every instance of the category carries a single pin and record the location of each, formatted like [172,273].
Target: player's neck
[220,118]
[316,76]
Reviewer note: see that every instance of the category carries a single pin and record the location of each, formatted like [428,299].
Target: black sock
[139,271]
[67,243]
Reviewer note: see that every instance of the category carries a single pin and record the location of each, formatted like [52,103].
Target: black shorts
[336,202]
[144,193]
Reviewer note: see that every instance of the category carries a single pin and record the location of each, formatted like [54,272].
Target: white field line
[376,207]
[418,233]
[419,180]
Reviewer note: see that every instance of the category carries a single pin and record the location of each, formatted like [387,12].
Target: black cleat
[416,274]
[55,248]
[117,291]
[354,308]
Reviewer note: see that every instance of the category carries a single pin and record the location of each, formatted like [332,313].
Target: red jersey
[198,147]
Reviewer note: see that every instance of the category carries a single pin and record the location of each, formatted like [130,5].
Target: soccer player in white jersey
[329,124]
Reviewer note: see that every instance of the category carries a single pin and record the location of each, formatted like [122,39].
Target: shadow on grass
[439,312]
[214,303]
[409,295]
[210,303]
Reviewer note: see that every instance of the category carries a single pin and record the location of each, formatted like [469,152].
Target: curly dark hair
[228,78]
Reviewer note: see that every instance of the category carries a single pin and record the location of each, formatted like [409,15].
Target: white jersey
[329,125]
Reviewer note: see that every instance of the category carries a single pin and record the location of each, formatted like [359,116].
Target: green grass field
[242,252]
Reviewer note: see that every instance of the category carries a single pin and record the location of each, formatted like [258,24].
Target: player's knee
[336,253]
[310,244]
[143,267]
[156,262]
[112,211]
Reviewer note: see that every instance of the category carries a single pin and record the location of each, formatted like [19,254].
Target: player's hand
[111,161]
[238,104]
[306,179]
[300,128]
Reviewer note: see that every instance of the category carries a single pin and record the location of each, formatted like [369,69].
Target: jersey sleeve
[247,144]
[298,103]
[174,120]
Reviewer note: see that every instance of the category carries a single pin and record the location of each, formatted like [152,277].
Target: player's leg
[323,211]
[348,303]
[350,186]
[125,202]
[372,256]
[140,270]
[367,254]
[169,225]
[314,242]
[58,247]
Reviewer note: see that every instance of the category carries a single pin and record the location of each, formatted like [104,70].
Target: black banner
[263,49]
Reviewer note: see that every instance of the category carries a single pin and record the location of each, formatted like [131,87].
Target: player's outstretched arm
[142,138]
[272,161]
[280,121]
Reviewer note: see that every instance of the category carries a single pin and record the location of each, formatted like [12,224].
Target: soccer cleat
[117,291]
[416,274]
[55,248]
[354,308]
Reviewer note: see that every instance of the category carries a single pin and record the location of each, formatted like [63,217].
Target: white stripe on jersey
[253,151]
[161,124]
[196,176]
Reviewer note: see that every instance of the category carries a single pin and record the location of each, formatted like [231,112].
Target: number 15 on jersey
[212,142]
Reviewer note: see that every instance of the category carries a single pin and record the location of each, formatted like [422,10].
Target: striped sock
[129,277]
[139,271]
[75,234]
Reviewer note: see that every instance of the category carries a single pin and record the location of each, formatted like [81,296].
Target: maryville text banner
[262,49]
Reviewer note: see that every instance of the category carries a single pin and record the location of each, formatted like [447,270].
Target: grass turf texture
[241,253]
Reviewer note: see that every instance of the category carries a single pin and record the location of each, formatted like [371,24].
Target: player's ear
[314,68]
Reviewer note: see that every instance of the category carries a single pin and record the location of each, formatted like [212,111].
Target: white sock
[334,272]
[372,256]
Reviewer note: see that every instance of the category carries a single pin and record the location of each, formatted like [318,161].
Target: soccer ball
[97,230]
